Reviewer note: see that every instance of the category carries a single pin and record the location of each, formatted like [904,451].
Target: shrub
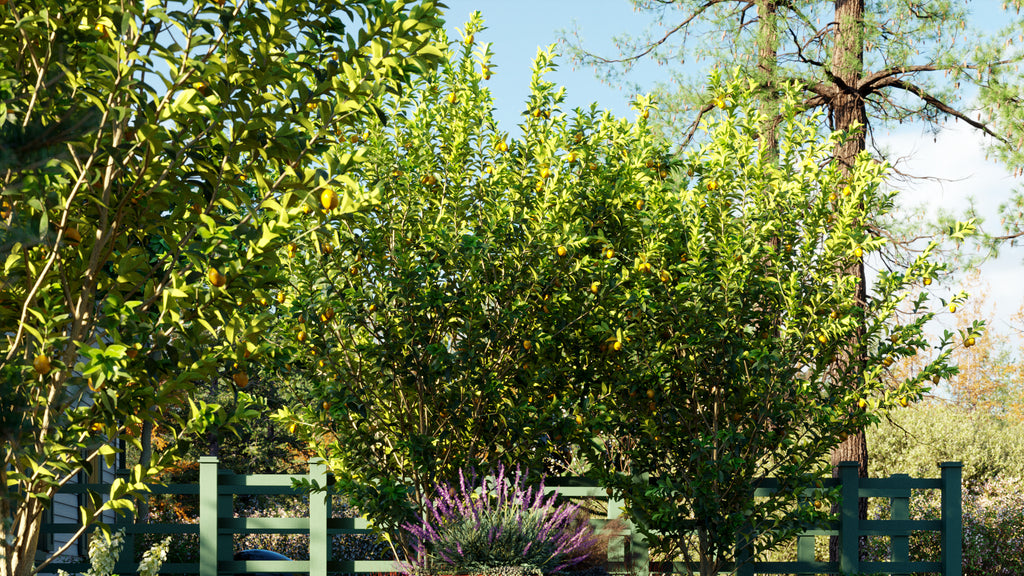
[104,550]
[914,439]
[505,526]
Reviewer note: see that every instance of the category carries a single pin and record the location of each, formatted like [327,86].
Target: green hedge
[915,439]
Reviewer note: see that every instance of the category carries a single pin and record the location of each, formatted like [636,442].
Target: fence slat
[208,516]
[849,540]
[319,512]
[900,540]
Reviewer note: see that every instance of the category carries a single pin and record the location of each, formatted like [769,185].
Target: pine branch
[651,47]
[916,90]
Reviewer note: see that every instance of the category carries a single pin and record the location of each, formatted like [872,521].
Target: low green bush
[914,440]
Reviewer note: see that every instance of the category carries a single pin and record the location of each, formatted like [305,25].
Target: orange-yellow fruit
[280,297]
[291,250]
[862,403]
[329,199]
[72,235]
[562,250]
[665,276]
[858,252]
[241,379]
[216,278]
[545,172]
[639,204]
[969,342]
[617,345]
[595,286]
[41,364]
[952,307]
[452,98]
[301,336]
[927,281]
[936,378]
[609,253]
[650,393]
[527,344]
[644,267]
[571,157]
[502,147]
[327,315]
[904,402]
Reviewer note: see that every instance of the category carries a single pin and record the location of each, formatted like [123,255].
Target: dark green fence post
[849,531]
[952,519]
[900,510]
[319,512]
[208,519]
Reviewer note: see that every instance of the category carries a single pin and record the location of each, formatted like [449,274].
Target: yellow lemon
[329,199]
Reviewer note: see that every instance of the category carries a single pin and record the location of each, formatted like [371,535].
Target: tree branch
[934,102]
[650,47]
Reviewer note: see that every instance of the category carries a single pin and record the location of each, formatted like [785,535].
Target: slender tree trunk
[767,68]
[850,115]
[23,535]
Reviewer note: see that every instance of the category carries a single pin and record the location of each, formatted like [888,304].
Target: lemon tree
[154,157]
[437,328]
[728,354]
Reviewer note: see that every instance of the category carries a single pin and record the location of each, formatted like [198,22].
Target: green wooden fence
[628,553]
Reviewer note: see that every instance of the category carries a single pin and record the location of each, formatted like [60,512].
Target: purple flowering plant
[498,524]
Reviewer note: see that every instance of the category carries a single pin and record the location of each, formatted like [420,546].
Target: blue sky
[516,28]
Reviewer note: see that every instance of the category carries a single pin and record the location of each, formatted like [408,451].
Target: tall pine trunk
[850,115]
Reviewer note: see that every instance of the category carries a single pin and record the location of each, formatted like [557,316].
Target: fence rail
[217,527]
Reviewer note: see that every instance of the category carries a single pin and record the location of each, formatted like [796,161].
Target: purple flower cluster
[502,523]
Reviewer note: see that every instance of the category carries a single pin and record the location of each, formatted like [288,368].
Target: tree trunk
[23,536]
[767,68]
[850,115]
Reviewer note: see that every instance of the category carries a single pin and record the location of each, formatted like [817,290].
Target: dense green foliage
[913,440]
[440,327]
[502,298]
[152,158]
